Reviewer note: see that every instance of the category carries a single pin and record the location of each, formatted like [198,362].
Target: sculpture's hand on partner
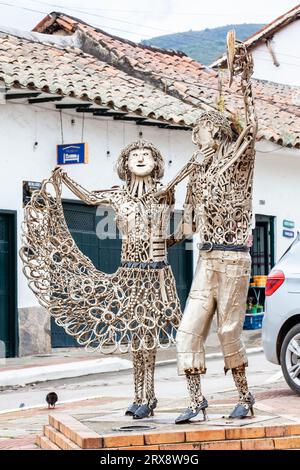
[58,174]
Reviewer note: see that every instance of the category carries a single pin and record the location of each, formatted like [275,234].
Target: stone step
[66,432]
[59,439]
[44,443]
[74,430]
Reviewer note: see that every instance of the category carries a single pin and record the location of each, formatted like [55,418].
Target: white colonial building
[275,50]
[68,83]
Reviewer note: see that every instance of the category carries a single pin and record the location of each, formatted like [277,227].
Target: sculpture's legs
[150,401]
[149,361]
[138,379]
[240,380]
[197,402]
[246,399]
[194,390]
[138,375]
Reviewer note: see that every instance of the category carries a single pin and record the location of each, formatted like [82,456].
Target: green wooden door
[85,224]
[7,284]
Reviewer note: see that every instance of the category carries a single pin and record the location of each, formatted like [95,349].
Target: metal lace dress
[135,308]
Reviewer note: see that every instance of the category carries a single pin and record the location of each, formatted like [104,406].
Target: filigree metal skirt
[134,308]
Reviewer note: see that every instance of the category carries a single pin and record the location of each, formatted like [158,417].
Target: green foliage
[204,46]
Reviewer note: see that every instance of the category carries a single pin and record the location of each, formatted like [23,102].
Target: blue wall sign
[71,154]
[288,224]
[288,233]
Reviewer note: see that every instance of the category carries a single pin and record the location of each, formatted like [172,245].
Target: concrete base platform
[114,431]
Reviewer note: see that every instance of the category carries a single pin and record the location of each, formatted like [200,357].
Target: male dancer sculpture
[220,192]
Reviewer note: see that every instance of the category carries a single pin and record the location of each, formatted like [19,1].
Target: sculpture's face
[205,135]
[141,162]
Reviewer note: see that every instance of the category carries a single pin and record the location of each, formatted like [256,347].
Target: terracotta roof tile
[165,85]
[25,63]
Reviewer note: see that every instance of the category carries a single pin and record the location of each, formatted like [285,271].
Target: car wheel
[290,358]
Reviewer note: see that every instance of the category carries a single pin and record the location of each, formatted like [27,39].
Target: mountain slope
[206,45]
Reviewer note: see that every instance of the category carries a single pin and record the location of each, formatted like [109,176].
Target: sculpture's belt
[215,246]
[133,264]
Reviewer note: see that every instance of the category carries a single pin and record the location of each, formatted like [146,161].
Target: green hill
[206,45]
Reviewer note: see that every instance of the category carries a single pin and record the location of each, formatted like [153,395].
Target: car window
[292,250]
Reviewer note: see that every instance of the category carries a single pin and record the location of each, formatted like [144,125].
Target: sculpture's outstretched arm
[94,198]
[187,169]
[240,62]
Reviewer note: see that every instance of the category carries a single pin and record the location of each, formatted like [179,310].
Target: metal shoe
[132,409]
[146,410]
[189,413]
[242,409]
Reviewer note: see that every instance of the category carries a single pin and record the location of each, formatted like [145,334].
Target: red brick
[183,446]
[75,431]
[287,442]
[123,440]
[59,439]
[143,448]
[205,435]
[44,443]
[258,444]
[275,431]
[245,433]
[292,430]
[164,437]
[221,445]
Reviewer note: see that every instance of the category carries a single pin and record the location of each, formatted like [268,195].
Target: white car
[281,325]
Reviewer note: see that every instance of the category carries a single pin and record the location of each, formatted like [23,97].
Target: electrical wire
[180,13]
[171,78]
[105,17]
[97,25]
[188,33]
[102,16]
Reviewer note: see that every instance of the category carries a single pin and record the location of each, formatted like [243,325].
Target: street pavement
[23,410]
[111,392]
[118,384]
[75,362]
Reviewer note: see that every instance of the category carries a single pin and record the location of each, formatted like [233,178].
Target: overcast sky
[142,19]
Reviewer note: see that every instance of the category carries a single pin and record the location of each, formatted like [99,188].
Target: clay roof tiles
[152,82]
[180,76]
[46,68]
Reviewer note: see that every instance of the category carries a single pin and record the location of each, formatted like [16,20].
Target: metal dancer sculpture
[220,192]
[137,307]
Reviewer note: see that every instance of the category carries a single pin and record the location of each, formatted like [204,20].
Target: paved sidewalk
[22,426]
[76,362]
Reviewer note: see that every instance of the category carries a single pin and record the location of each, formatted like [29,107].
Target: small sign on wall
[288,224]
[72,154]
[28,188]
[288,233]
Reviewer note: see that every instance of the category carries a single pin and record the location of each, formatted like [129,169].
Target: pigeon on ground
[51,399]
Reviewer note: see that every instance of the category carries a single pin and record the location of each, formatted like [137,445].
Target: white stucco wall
[286,47]
[276,181]
[276,176]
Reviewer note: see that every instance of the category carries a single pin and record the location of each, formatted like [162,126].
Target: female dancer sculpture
[137,307]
